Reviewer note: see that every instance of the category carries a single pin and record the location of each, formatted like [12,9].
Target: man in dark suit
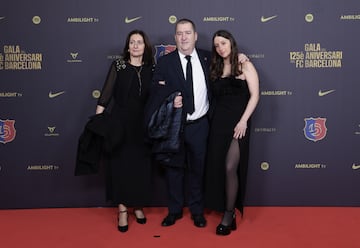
[186,168]
[185,71]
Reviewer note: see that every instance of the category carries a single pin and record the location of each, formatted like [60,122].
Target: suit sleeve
[159,89]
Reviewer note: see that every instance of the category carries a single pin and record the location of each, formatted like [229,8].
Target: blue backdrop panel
[305,143]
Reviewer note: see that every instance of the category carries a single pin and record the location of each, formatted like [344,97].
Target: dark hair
[148,58]
[183,21]
[217,62]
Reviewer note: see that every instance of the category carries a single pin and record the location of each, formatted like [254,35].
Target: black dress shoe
[199,220]
[140,220]
[125,227]
[226,230]
[171,219]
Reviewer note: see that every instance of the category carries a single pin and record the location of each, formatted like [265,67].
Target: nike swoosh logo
[130,20]
[266,19]
[53,95]
[324,93]
[355,167]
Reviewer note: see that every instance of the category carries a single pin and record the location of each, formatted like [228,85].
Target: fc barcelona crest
[315,128]
[161,50]
[7,131]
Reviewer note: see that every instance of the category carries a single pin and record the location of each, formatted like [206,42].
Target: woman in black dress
[125,91]
[235,89]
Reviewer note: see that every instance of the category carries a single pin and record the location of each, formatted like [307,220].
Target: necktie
[189,85]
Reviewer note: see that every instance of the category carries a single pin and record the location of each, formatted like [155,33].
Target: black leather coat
[164,130]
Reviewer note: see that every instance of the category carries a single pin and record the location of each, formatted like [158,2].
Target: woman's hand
[242,58]
[99,109]
[240,129]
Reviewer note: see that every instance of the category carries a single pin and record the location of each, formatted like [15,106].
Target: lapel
[179,74]
[177,65]
[204,60]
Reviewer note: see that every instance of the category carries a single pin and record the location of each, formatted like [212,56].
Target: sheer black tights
[231,181]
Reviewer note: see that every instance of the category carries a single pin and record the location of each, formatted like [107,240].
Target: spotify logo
[172,19]
[309,18]
[36,20]
[96,93]
[265,166]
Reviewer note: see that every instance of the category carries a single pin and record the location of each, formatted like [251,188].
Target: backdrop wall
[54,57]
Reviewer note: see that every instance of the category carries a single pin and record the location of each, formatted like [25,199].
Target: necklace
[138,73]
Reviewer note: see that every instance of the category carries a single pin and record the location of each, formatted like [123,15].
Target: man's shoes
[199,220]
[171,219]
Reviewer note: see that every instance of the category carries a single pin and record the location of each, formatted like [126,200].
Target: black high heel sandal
[226,230]
[126,227]
[140,220]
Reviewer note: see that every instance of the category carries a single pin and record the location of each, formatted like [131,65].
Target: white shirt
[201,101]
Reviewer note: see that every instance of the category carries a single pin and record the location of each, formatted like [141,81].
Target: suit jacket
[169,77]
[164,129]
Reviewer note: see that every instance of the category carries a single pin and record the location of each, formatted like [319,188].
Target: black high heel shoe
[139,220]
[226,230]
[126,227]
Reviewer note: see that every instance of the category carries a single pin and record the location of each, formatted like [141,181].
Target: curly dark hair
[217,62]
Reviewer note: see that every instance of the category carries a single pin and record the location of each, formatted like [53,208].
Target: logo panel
[130,20]
[7,131]
[56,94]
[161,50]
[355,166]
[266,19]
[324,93]
[315,128]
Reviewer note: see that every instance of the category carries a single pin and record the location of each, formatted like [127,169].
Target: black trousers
[186,182]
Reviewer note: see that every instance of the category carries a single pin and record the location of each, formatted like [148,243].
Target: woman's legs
[231,181]
[123,218]
[139,215]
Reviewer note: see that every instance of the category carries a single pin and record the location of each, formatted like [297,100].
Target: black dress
[128,163]
[230,99]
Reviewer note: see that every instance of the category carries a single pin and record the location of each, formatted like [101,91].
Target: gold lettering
[23,57]
[307,166]
[8,94]
[274,93]
[312,47]
[216,19]
[23,65]
[40,167]
[324,55]
[322,63]
[12,49]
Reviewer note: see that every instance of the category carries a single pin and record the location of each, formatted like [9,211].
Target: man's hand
[178,101]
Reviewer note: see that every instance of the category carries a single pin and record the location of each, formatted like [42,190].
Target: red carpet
[262,227]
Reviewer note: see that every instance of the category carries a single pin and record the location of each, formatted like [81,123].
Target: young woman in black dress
[235,90]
